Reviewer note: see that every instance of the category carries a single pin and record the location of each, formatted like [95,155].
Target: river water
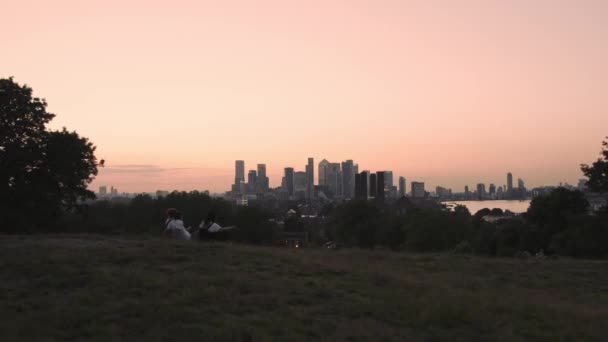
[515,206]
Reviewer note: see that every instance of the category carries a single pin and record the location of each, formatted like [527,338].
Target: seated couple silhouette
[207,230]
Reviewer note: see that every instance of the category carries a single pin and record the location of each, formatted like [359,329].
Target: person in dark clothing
[209,230]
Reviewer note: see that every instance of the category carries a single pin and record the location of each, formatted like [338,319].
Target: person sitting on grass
[174,226]
[209,230]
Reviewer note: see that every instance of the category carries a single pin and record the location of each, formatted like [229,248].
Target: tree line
[557,223]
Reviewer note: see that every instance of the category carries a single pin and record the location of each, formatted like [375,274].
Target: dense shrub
[484,238]
[392,233]
[433,230]
[586,236]
[356,223]
[464,247]
[253,226]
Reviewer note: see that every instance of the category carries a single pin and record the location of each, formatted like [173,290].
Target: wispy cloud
[137,169]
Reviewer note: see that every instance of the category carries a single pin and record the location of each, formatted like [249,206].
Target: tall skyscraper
[481,191]
[492,190]
[367,174]
[262,179]
[358,185]
[361,185]
[310,178]
[380,186]
[333,179]
[348,181]
[323,168]
[252,181]
[261,170]
[373,185]
[467,193]
[339,185]
[509,182]
[418,189]
[252,177]
[520,184]
[300,184]
[103,191]
[365,184]
[390,189]
[239,172]
[402,186]
[388,179]
[289,181]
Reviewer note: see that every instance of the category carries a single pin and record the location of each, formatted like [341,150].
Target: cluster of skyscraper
[344,181]
[299,184]
[257,181]
[335,181]
[379,185]
[338,179]
[103,192]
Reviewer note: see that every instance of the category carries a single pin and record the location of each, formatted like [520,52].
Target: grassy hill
[59,288]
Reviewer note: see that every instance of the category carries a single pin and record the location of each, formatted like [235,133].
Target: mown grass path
[61,288]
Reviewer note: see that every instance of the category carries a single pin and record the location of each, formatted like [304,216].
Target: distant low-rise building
[443,193]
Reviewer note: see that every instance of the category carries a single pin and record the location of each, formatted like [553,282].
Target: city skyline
[227,180]
[447,93]
[357,185]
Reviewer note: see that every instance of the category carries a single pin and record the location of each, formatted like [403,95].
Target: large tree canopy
[598,171]
[42,172]
[550,213]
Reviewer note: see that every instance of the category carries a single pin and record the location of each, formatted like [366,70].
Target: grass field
[60,288]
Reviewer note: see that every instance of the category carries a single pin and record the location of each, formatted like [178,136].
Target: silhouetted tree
[42,172]
[598,171]
[483,212]
[496,212]
[357,223]
[462,210]
[550,213]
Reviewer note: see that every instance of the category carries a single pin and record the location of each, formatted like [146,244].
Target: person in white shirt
[174,226]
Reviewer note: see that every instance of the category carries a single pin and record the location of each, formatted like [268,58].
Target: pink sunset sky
[450,92]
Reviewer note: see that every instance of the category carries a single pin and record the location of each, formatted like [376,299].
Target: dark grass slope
[112,289]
